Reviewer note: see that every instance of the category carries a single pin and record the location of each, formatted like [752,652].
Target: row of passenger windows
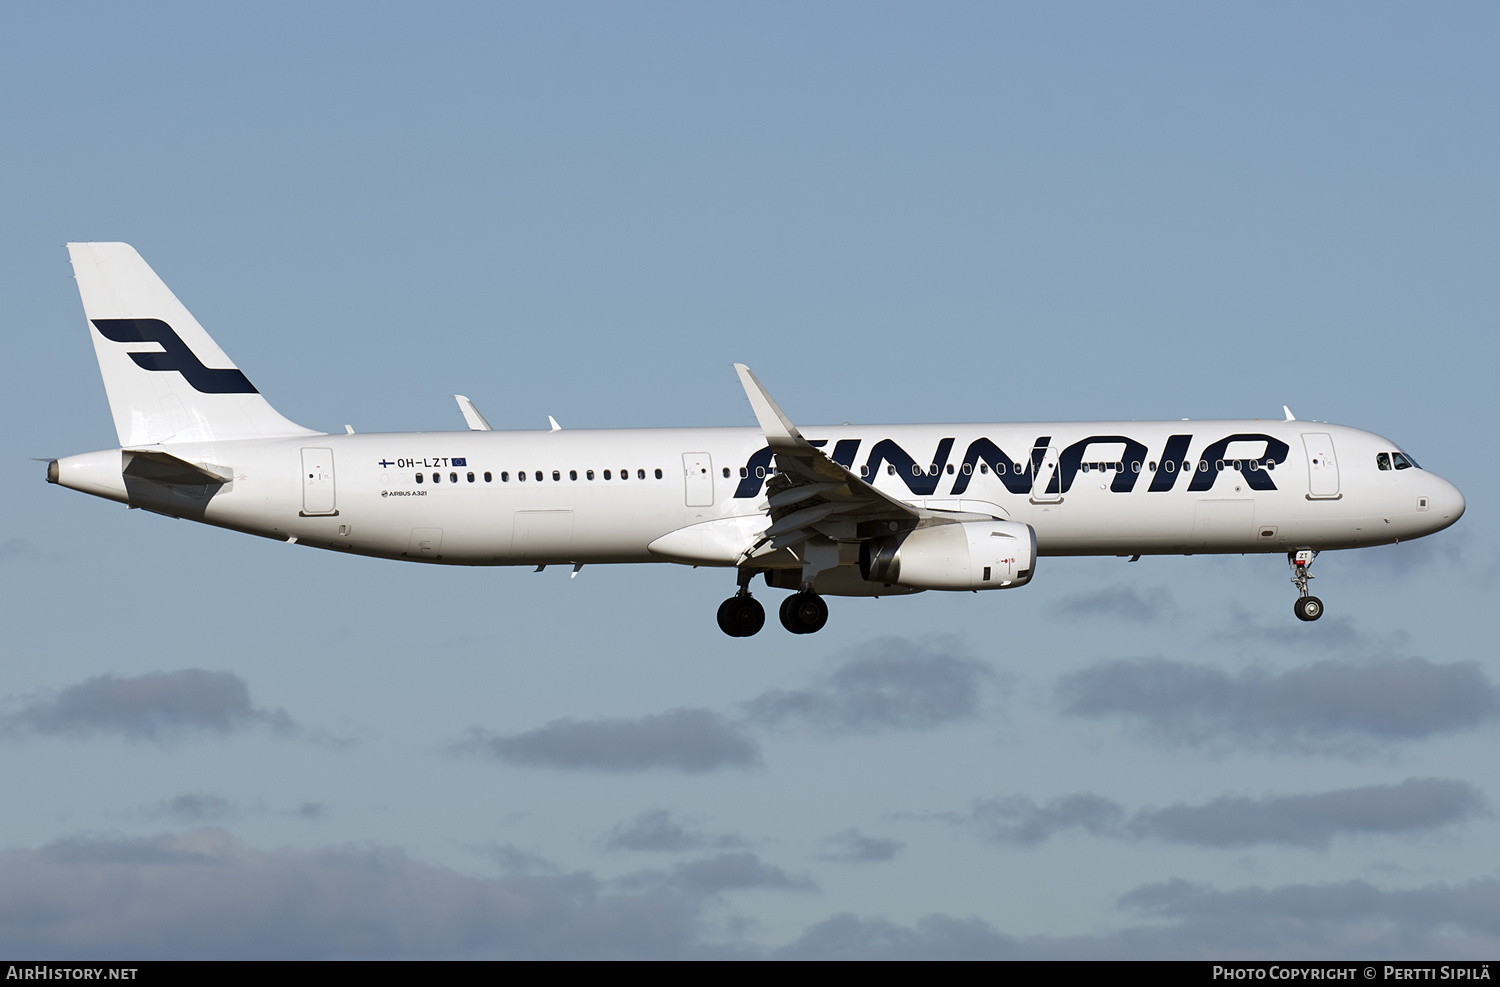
[521,476]
[1383,460]
[1170,466]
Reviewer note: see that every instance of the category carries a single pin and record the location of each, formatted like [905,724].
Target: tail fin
[167,380]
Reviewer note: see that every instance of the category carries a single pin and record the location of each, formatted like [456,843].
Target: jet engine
[955,555]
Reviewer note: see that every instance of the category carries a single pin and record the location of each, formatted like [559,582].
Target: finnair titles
[826,511]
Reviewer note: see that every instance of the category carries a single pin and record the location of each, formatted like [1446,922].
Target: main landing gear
[804,613]
[742,615]
[1307,607]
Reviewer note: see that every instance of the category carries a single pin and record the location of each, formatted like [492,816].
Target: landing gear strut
[1307,607]
[804,613]
[742,615]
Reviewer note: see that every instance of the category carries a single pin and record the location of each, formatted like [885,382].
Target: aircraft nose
[1453,501]
[1447,503]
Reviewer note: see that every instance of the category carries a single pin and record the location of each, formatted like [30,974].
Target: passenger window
[539,476]
[437,478]
[726,472]
[572,474]
[624,474]
[471,477]
[641,474]
[891,469]
[504,476]
[606,474]
[658,472]
[452,477]
[588,474]
[419,477]
[487,477]
[743,472]
[950,469]
[968,469]
[521,475]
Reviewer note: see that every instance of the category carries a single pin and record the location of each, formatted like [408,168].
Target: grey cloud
[898,685]
[1350,920]
[1330,706]
[935,937]
[1314,820]
[1308,820]
[198,807]
[1334,919]
[13,548]
[658,830]
[1123,602]
[853,847]
[734,871]
[691,740]
[204,895]
[1018,819]
[157,706]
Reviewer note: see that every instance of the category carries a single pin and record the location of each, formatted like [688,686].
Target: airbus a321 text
[824,511]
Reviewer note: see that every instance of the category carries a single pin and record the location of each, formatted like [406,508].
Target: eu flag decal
[456,461]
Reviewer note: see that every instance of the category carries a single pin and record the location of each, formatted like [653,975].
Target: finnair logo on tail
[175,355]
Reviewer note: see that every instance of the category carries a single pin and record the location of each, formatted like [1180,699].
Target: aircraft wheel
[804,613]
[741,616]
[1308,608]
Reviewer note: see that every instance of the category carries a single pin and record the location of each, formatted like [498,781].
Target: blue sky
[214,745]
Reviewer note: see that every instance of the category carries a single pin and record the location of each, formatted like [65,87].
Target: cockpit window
[1383,460]
[1402,463]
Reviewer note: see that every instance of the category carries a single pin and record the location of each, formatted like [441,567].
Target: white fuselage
[1088,488]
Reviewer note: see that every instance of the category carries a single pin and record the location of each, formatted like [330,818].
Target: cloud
[1351,920]
[853,847]
[1329,706]
[1018,819]
[657,830]
[735,871]
[157,706]
[1314,820]
[935,937]
[16,548]
[898,685]
[197,807]
[1311,820]
[692,740]
[1123,602]
[204,895]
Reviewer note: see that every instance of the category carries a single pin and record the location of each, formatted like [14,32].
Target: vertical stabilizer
[167,380]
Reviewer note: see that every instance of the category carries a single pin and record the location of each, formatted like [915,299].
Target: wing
[810,493]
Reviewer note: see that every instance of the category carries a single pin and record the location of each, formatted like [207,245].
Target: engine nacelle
[960,555]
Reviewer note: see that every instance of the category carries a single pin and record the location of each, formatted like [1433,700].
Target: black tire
[741,616]
[804,613]
[1308,608]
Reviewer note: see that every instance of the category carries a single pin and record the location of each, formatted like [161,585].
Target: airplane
[870,510]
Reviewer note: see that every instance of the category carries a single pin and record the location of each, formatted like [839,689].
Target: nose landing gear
[1306,607]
